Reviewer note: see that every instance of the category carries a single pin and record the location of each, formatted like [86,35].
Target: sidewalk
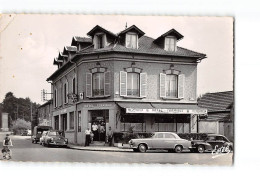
[101,148]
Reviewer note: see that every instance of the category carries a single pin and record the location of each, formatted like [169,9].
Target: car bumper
[58,144]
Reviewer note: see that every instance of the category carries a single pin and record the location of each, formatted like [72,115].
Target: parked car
[212,142]
[44,133]
[55,138]
[24,133]
[37,132]
[160,140]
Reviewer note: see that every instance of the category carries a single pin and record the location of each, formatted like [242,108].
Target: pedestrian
[95,131]
[91,136]
[110,136]
[87,140]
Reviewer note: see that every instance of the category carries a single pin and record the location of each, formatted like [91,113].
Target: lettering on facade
[166,111]
[97,105]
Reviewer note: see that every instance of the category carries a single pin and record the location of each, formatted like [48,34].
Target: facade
[4,124]
[45,113]
[220,119]
[125,80]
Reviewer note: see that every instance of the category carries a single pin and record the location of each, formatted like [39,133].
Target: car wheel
[201,149]
[178,149]
[142,148]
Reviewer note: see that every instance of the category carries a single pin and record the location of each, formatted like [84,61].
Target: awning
[157,108]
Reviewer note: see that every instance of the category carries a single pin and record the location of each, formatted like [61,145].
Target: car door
[169,141]
[158,141]
[220,141]
[212,141]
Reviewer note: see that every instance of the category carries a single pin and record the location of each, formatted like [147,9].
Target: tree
[20,124]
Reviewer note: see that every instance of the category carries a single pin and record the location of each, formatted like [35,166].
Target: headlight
[130,142]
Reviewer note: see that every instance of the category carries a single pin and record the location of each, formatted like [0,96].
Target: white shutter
[143,84]
[107,84]
[95,42]
[162,85]
[181,84]
[123,83]
[88,84]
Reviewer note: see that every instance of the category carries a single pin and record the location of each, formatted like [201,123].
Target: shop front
[153,117]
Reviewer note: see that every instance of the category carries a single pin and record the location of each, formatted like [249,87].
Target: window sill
[169,98]
[97,97]
[131,97]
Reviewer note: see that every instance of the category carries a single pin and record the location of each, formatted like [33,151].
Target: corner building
[125,80]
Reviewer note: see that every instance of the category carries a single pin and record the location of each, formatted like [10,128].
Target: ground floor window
[132,122]
[72,120]
[64,122]
[79,121]
[56,122]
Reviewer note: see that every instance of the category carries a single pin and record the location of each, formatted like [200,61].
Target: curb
[102,150]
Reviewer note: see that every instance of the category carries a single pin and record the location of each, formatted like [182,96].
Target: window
[170,43]
[98,84]
[65,92]
[172,86]
[159,135]
[167,135]
[74,85]
[99,41]
[131,40]
[79,121]
[56,98]
[71,120]
[133,84]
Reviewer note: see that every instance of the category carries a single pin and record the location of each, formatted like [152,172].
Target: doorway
[99,123]
[64,122]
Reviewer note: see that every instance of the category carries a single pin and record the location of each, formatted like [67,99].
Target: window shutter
[104,40]
[67,89]
[143,84]
[123,83]
[88,84]
[162,85]
[107,83]
[181,82]
[95,42]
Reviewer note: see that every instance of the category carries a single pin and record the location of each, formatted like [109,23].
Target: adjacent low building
[45,113]
[220,119]
[125,80]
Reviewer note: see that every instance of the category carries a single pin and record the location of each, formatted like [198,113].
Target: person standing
[95,130]
[87,140]
[110,136]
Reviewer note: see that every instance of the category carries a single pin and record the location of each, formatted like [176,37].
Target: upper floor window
[170,43]
[133,86]
[98,82]
[74,85]
[131,40]
[99,41]
[55,98]
[133,83]
[65,92]
[172,84]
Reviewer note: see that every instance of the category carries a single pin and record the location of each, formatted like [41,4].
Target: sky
[29,43]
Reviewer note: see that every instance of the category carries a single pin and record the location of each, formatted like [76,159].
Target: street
[24,150]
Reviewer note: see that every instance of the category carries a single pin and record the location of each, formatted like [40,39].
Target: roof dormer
[81,42]
[130,36]
[101,37]
[69,51]
[169,40]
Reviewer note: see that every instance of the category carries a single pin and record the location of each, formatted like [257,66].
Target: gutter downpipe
[76,112]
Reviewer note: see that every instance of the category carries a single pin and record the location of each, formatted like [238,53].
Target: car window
[220,138]
[159,135]
[167,135]
[211,138]
[53,133]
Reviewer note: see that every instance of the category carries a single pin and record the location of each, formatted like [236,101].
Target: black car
[212,142]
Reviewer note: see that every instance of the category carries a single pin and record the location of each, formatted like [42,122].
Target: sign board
[166,111]
[99,105]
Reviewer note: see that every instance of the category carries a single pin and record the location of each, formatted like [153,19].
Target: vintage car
[42,137]
[160,140]
[55,138]
[37,132]
[212,142]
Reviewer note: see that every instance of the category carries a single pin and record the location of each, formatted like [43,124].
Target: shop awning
[157,108]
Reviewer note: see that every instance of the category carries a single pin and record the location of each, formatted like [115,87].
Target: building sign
[97,105]
[166,111]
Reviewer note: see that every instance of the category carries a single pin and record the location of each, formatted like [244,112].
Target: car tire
[178,149]
[200,149]
[142,148]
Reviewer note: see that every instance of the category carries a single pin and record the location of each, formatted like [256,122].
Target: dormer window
[99,41]
[131,40]
[170,43]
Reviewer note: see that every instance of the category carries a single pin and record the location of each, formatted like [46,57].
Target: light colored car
[161,140]
[55,138]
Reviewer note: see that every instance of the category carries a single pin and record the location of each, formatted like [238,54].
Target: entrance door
[64,122]
[98,124]
[56,122]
